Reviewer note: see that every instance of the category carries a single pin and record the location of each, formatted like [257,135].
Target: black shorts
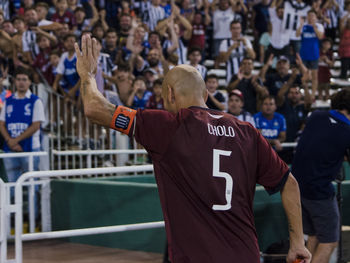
[321,219]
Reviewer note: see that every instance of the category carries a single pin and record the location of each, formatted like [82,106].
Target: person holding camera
[317,162]
[232,51]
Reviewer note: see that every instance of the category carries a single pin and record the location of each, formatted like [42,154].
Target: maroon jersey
[207,164]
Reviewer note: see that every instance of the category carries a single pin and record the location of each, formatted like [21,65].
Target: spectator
[6,44]
[295,108]
[42,10]
[18,56]
[63,15]
[81,22]
[153,61]
[51,70]
[264,43]
[251,86]
[42,60]
[216,99]
[7,26]
[66,70]
[324,73]
[232,51]
[294,12]
[199,25]
[275,81]
[29,45]
[261,18]
[110,45]
[235,107]
[279,35]
[195,57]
[20,121]
[317,163]
[344,46]
[271,124]
[140,95]
[124,79]
[177,42]
[151,12]
[156,100]
[136,40]
[125,27]
[311,33]
[223,13]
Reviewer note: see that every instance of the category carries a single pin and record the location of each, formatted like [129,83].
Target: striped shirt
[237,55]
[293,11]
[202,70]
[181,51]
[5,7]
[151,14]
[107,66]
[29,43]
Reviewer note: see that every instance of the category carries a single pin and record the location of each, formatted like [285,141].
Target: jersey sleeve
[153,129]
[272,172]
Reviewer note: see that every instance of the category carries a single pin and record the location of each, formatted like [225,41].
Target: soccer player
[206,164]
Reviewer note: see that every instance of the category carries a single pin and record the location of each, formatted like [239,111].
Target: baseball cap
[238,93]
[280,58]
[151,70]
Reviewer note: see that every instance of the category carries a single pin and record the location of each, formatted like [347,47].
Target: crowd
[140,41]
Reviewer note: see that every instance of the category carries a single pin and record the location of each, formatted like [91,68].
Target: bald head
[186,80]
[186,86]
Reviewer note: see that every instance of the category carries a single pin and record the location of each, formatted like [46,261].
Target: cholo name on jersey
[221,130]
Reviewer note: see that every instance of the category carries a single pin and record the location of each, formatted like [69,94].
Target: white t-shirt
[38,115]
[221,23]
[279,36]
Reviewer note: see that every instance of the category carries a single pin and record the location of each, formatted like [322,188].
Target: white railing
[89,153]
[31,192]
[18,207]
[3,232]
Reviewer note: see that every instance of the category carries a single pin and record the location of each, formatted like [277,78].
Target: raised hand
[87,58]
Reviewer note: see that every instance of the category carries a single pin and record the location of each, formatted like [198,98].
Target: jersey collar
[339,116]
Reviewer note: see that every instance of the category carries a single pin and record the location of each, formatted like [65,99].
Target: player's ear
[205,95]
[171,95]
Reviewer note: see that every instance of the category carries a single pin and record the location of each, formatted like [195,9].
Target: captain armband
[123,119]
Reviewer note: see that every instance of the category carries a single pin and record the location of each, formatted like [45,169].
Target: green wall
[134,199]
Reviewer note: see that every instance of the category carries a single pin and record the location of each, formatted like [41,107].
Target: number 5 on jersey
[228,178]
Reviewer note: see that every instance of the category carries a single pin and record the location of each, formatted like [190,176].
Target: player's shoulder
[279,116]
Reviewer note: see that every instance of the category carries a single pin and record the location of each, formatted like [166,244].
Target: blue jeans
[15,167]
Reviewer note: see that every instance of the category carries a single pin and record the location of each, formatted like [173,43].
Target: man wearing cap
[235,107]
[275,81]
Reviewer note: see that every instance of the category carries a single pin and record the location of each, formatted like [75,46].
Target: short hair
[39,37]
[23,71]
[235,21]
[341,100]
[124,67]
[248,58]
[111,30]
[55,52]
[158,82]
[194,49]
[69,36]
[42,4]
[211,76]
[17,18]
[312,11]
[79,8]
[29,9]
[269,97]
[142,78]
[125,14]
[154,33]
[327,39]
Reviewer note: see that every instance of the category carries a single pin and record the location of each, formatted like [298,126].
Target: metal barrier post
[31,197]
[3,219]
[18,222]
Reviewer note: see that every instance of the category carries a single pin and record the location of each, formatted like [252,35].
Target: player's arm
[96,107]
[291,202]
